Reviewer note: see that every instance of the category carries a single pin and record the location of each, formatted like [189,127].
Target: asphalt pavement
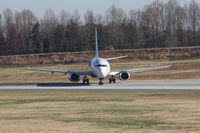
[131,86]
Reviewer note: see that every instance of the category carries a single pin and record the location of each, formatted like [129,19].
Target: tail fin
[97,47]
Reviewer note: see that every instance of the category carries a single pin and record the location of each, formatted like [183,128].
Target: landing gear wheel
[101,82]
[112,79]
[86,80]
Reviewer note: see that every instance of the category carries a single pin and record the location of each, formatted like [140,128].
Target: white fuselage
[100,67]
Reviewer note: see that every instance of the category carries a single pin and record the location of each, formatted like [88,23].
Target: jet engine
[124,76]
[74,77]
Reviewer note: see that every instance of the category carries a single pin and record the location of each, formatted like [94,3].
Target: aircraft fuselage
[100,67]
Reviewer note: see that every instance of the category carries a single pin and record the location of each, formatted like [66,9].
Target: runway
[150,86]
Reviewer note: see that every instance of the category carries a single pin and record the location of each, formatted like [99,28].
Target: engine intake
[74,77]
[124,76]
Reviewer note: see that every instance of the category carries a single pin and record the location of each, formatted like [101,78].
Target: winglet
[97,49]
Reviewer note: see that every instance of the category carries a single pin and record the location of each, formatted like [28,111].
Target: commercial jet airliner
[100,68]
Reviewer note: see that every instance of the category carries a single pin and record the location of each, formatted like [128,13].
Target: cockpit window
[100,65]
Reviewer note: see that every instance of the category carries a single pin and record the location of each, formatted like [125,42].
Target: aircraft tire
[88,82]
[100,83]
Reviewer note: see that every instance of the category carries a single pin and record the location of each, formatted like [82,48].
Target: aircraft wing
[60,71]
[139,70]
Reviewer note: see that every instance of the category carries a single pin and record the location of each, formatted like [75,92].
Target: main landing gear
[112,79]
[86,80]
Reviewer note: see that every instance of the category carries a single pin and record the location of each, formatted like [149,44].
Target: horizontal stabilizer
[114,58]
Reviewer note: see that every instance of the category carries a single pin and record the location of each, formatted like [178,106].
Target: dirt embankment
[141,54]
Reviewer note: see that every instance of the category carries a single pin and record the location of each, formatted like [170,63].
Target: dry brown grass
[133,54]
[99,112]
[180,70]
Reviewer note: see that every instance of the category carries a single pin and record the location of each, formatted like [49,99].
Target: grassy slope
[181,69]
[99,113]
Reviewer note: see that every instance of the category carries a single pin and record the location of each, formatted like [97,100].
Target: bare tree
[170,18]
[115,15]
[2,40]
[193,13]
[181,24]
[24,22]
[100,20]
[60,33]
[115,18]
[7,24]
[194,20]
[152,21]
[48,24]
[89,17]
[1,23]
[64,18]
[133,31]
[76,17]
[171,22]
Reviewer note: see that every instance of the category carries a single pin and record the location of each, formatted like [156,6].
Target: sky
[98,6]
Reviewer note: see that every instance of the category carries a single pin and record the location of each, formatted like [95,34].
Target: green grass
[161,112]
[131,123]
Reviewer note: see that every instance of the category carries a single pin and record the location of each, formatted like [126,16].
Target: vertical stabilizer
[97,47]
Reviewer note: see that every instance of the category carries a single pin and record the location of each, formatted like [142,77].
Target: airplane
[99,68]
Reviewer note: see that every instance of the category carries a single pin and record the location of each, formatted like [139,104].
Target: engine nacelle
[125,76]
[74,77]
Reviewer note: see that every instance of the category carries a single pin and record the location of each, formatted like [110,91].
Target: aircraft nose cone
[103,73]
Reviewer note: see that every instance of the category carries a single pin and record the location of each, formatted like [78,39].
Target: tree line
[156,25]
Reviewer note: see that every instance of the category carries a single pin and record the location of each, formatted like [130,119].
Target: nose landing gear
[101,82]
